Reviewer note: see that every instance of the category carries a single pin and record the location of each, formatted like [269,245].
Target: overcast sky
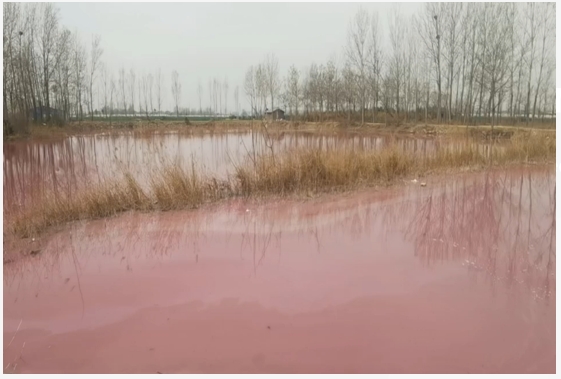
[206,40]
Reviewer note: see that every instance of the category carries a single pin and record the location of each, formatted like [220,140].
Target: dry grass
[298,171]
[103,200]
[315,170]
[170,188]
[176,188]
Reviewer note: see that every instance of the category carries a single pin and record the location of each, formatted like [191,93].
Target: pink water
[454,277]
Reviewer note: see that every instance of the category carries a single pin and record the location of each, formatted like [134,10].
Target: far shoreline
[42,132]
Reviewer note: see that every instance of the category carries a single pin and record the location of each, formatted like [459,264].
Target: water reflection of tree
[486,222]
[33,169]
[492,228]
[118,243]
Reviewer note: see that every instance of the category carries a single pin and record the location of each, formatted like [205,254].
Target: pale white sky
[206,40]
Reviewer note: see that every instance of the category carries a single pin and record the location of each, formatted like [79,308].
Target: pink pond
[454,277]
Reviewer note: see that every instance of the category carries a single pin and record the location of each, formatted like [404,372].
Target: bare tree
[237,99]
[210,97]
[159,89]
[106,88]
[176,90]
[112,92]
[427,66]
[330,84]
[349,89]
[452,18]
[358,51]
[225,86]
[472,22]
[517,53]
[122,88]
[531,32]
[398,32]
[547,28]
[132,89]
[62,76]
[47,48]
[497,56]
[375,60]
[293,89]
[146,94]
[95,57]
[141,88]
[272,79]
[79,61]
[462,72]
[217,92]
[150,92]
[429,28]
[250,89]
[200,95]
[261,86]
[413,74]
[10,17]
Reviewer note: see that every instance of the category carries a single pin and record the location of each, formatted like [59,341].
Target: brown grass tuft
[318,170]
[174,188]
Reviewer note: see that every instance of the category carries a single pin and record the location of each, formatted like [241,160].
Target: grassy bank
[294,172]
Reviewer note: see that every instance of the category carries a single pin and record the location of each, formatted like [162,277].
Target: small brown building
[274,115]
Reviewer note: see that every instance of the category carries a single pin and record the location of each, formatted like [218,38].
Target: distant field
[153,118]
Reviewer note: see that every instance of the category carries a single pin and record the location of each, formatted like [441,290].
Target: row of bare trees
[46,66]
[454,62]
[262,82]
[218,97]
[51,75]
[464,62]
[120,97]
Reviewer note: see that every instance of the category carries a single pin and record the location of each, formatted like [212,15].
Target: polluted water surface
[456,276]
